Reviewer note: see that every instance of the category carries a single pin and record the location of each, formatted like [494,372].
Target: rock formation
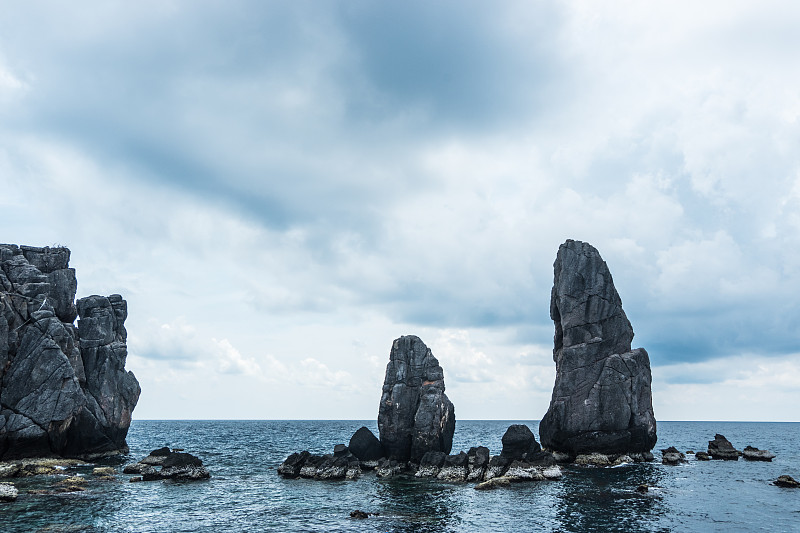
[721,448]
[63,389]
[415,416]
[601,398]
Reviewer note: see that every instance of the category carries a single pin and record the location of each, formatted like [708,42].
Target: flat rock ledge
[164,463]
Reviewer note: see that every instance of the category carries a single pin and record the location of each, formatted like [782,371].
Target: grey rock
[786,481]
[518,441]
[602,398]
[721,448]
[332,468]
[552,472]
[455,468]
[310,466]
[430,464]
[365,445]
[292,465]
[415,416]
[388,468]
[754,454]
[593,459]
[672,456]
[497,467]
[477,463]
[493,483]
[64,389]
[702,456]
[523,471]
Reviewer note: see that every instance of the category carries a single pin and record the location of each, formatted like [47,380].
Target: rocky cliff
[63,389]
[415,416]
[601,398]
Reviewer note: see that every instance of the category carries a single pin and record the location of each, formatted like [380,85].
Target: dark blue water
[246,494]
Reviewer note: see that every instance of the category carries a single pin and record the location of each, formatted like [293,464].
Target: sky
[280,189]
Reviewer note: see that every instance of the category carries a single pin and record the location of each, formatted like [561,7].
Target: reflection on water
[605,499]
[419,505]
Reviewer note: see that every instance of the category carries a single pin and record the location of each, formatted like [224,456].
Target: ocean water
[246,494]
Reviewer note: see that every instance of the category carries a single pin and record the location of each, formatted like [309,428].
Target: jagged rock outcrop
[721,448]
[63,389]
[415,416]
[601,398]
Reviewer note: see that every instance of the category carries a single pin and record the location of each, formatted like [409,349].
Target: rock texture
[721,448]
[63,389]
[601,398]
[415,416]
[754,454]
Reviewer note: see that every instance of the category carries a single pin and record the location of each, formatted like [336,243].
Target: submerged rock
[721,448]
[602,398]
[754,454]
[64,388]
[415,416]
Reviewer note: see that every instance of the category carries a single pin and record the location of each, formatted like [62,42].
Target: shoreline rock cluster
[521,459]
[64,390]
[721,449]
[164,463]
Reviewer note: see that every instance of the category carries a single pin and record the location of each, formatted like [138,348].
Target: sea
[246,494]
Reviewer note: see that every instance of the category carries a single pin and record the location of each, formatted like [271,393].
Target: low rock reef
[719,448]
[164,463]
[521,459]
[64,390]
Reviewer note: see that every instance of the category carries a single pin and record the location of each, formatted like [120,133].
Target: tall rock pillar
[415,416]
[601,398]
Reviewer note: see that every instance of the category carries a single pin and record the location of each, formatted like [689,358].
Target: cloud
[291,178]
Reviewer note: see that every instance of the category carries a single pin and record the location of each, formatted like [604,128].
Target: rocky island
[64,390]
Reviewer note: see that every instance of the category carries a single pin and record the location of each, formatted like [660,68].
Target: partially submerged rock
[174,465]
[602,397]
[672,456]
[754,454]
[786,481]
[415,416]
[721,448]
[518,441]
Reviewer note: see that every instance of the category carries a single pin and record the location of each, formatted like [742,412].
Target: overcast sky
[280,189]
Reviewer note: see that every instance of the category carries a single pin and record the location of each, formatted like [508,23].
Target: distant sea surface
[246,494]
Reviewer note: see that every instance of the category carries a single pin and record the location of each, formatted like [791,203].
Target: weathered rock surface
[754,454]
[477,462]
[702,456]
[415,416]
[721,448]
[601,399]
[63,389]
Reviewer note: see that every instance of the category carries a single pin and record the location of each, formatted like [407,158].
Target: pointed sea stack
[415,416]
[601,398]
